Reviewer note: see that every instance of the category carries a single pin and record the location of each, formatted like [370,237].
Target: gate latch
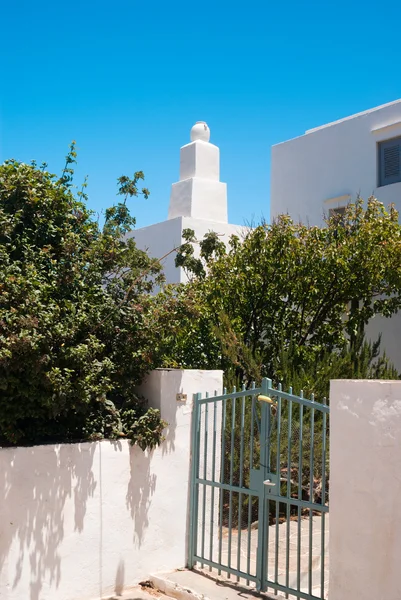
[267,399]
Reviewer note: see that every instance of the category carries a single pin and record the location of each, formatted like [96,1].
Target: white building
[198,201]
[329,166]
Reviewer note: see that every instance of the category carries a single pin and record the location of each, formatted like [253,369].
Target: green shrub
[78,328]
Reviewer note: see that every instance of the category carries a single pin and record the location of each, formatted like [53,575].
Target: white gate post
[365,490]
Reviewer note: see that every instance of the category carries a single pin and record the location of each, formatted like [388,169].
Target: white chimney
[199,193]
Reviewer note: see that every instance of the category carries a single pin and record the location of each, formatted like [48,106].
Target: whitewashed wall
[365,490]
[161,238]
[85,521]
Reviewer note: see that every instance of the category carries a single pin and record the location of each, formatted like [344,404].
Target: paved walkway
[245,561]
[190,585]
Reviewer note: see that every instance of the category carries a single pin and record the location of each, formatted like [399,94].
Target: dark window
[390,161]
[337,212]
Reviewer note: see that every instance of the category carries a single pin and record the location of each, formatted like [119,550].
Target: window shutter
[390,161]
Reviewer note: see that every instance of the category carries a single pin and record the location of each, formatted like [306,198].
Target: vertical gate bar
[205,442]
[194,491]
[251,442]
[323,533]
[310,523]
[322,565]
[213,479]
[222,467]
[311,475]
[248,550]
[263,512]
[278,472]
[276,547]
[300,465]
[241,481]
[250,496]
[268,503]
[287,555]
[230,508]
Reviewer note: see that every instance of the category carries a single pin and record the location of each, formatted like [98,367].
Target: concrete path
[191,585]
[245,561]
[277,570]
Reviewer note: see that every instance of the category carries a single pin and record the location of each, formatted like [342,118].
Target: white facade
[365,490]
[330,166]
[90,520]
[198,201]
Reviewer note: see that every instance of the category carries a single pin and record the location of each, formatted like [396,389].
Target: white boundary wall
[365,490]
[86,521]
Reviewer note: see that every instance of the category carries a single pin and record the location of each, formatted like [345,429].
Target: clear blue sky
[127,80]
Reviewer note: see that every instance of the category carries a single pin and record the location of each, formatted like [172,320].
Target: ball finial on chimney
[200,131]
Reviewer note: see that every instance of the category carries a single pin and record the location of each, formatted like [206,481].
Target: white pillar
[365,490]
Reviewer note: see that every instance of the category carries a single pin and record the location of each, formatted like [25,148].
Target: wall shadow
[141,487]
[35,484]
[120,578]
[142,484]
[169,414]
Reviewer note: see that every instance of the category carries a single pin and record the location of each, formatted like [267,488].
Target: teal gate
[259,490]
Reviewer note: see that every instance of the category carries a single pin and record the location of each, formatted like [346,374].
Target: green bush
[289,300]
[78,328]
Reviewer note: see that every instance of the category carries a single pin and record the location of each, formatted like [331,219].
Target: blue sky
[128,79]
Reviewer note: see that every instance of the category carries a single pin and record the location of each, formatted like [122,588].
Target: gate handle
[269,482]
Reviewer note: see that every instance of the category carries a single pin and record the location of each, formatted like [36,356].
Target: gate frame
[262,394]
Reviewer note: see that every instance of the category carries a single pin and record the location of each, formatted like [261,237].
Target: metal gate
[259,490]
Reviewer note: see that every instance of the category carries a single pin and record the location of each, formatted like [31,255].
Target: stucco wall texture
[85,521]
[365,490]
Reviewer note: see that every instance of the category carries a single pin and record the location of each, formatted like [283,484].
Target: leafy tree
[290,298]
[78,326]
[291,302]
